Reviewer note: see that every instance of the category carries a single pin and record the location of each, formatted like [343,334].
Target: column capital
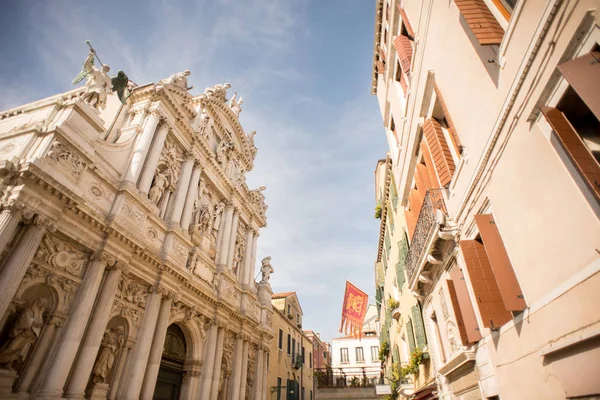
[198,163]
[156,112]
[103,256]
[41,220]
[56,319]
[13,206]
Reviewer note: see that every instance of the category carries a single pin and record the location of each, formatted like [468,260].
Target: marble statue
[178,79]
[24,334]
[238,257]
[236,105]
[223,153]
[217,92]
[266,269]
[219,208]
[205,219]
[158,187]
[111,343]
[98,84]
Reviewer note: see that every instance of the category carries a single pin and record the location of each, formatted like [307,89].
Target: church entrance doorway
[170,374]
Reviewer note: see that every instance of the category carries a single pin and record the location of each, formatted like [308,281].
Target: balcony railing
[347,377]
[426,225]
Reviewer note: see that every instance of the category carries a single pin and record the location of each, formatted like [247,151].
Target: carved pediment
[61,255]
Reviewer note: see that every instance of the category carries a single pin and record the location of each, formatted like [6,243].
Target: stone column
[18,261]
[188,206]
[232,239]
[157,349]
[181,191]
[68,344]
[139,356]
[152,159]
[93,338]
[264,388]
[122,367]
[209,362]
[257,374]
[253,260]
[244,377]
[141,147]
[224,231]
[216,373]
[237,369]
[248,257]
[40,354]
[9,220]
[191,379]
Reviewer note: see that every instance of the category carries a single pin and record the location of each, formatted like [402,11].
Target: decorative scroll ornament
[66,159]
[132,292]
[61,255]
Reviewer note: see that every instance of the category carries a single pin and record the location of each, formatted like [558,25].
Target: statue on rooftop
[266,269]
[236,105]
[217,92]
[178,79]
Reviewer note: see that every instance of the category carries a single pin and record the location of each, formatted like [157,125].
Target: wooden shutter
[489,301]
[415,199]
[440,152]
[411,222]
[583,74]
[404,49]
[482,22]
[395,355]
[380,66]
[463,309]
[451,127]
[411,336]
[402,253]
[405,21]
[430,165]
[418,326]
[511,292]
[422,178]
[574,146]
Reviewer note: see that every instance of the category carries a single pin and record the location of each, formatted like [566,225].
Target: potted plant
[378,211]
[394,307]
[384,351]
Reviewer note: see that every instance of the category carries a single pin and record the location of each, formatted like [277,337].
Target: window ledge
[460,359]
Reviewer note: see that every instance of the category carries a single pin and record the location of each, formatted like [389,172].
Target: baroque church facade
[128,247]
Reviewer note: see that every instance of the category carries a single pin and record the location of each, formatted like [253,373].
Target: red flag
[353,310]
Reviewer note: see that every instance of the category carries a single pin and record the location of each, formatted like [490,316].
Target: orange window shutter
[404,49]
[489,301]
[583,74]
[380,67]
[422,178]
[453,133]
[440,152]
[411,222]
[405,21]
[461,301]
[511,292]
[430,165]
[415,199]
[580,155]
[482,22]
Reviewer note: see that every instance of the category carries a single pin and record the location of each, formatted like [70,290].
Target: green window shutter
[402,253]
[418,326]
[378,299]
[411,336]
[388,243]
[396,355]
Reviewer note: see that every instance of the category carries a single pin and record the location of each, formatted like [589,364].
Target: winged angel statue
[98,84]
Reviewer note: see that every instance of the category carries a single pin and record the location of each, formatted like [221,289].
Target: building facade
[490,196]
[355,361]
[290,373]
[320,357]
[128,241]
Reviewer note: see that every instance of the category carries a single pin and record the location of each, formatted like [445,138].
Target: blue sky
[304,70]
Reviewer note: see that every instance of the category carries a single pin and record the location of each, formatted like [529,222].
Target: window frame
[362,353]
[347,358]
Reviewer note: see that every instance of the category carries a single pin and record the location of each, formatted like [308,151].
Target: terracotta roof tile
[282,295]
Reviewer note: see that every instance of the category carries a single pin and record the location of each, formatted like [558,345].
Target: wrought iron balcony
[432,218]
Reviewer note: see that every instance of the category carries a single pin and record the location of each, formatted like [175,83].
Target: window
[360,355]
[280,345]
[289,344]
[278,388]
[310,359]
[289,310]
[293,350]
[311,397]
[576,118]
[374,353]
[302,392]
[344,355]
[303,354]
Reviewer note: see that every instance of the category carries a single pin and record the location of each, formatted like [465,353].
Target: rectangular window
[280,346]
[310,360]
[289,344]
[293,350]
[303,354]
[302,392]
[374,353]
[360,355]
[278,388]
[344,355]
[311,397]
